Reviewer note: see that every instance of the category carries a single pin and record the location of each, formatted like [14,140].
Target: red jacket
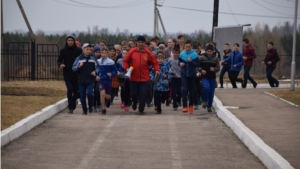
[140,61]
[249,52]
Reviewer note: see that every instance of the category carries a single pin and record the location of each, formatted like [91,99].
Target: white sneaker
[79,101]
[116,98]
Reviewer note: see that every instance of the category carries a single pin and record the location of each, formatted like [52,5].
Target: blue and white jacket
[189,68]
[235,58]
[84,73]
[162,83]
[107,65]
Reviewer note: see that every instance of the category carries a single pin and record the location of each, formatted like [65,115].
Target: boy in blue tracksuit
[107,70]
[188,61]
[209,66]
[236,61]
[161,87]
[86,66]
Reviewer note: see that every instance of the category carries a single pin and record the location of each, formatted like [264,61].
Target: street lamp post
[293,66]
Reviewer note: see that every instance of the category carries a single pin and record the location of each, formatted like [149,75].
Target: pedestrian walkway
[277,123]
[126,140]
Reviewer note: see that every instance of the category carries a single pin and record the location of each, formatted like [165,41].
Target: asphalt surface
[277,123]
[128,141]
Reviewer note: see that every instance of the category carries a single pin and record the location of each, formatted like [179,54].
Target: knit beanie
[209,47]
[70,36]
[141,38]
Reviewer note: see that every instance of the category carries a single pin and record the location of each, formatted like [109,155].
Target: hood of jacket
[185,55]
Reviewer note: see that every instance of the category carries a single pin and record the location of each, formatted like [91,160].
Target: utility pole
[2,45]
[293,67]
[25,18]
[155,18]
[215,17]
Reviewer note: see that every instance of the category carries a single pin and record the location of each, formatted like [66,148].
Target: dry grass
[20,99]
[292,96]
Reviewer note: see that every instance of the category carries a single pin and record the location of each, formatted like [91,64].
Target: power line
[227,13]
[270,9]
[72,4]
[126,5]
[231,12]
[278,5]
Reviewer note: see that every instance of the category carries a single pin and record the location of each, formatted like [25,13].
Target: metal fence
[29,61]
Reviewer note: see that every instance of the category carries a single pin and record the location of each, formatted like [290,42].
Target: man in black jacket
[270,61]
[65,61]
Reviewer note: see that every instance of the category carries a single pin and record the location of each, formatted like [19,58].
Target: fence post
[33,63]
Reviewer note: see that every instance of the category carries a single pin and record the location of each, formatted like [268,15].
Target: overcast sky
[64,15]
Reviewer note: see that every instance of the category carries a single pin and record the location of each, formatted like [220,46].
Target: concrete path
[277,123]
[126,140]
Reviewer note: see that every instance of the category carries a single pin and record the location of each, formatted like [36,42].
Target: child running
[176,78]
[161,87]
[107,70]
[209,66]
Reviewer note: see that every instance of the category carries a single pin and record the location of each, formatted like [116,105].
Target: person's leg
[82,93]
[233,76]
[174,92]
[212,83]
[127,93]
[70,90]
[269,71]
[158,96]
[191,84]
[75,93]
[206,90]
[246,75]
[179,89]
[149,94]
[142,95]
[184,90]
[251,79]
[108,90]
[222,73]
[90,96]
[134,91]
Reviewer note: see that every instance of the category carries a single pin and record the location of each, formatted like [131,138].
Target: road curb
[268,156]
[28,123]
[281,99]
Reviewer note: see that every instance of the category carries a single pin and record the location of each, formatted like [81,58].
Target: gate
[30,61]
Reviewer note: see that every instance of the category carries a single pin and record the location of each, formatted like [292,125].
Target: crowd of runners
[151,73]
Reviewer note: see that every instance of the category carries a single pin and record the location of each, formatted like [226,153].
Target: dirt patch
[20,99]
[292,96]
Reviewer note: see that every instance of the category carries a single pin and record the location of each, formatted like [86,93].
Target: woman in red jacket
[140,58]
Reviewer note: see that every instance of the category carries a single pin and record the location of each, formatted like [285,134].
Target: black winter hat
[209,47]
[70,36]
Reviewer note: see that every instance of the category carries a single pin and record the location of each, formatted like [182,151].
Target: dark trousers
[159,97]
[188,85]
[138,90]
[86,90]
[150,93]
[96,95]
[247,76]
[125,93]
[198,90]
[225,69]
[271,79]
[233,76]
[72,93]
[114,93]
[176,91]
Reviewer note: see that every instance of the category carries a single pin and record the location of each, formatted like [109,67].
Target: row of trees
[259,36]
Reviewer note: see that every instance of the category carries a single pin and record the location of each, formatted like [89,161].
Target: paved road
[128,141]
[274,121]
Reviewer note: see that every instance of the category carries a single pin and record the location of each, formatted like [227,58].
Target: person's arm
[75,67]
[228,59]
[252,54]
[217,68]
[195,62]
[153,61]
[276,57]
[127,59]
[241,60]
[60,59]
[114,70]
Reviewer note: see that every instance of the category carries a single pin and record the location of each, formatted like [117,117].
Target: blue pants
[209,90]
[86,90]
